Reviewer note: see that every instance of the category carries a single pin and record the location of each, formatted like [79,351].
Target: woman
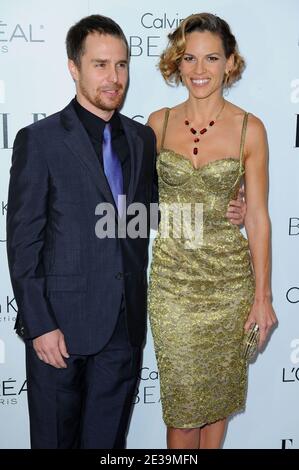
[204,298]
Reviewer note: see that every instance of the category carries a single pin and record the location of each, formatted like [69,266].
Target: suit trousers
[88,404]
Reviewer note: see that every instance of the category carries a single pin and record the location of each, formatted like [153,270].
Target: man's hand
[51,349]
[237,209]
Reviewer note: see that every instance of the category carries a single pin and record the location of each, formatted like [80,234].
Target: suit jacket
[63,275]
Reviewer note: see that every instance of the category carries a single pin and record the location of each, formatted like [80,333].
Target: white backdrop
[34,82]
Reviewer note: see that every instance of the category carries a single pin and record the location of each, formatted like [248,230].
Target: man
[81,297]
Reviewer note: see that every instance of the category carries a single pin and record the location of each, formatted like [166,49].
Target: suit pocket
[66,284]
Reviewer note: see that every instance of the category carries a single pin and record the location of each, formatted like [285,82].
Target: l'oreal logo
[21,32]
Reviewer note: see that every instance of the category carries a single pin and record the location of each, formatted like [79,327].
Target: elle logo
[6,133]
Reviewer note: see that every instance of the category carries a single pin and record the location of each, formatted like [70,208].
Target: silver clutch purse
[251,341]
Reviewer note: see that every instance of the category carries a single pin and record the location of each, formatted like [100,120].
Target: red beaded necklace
[202,131]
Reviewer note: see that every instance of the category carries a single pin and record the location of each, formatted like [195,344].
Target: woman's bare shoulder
[255,126]
[256,143]
[156,121]
[157,117]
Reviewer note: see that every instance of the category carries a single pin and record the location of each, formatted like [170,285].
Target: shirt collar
[93,124]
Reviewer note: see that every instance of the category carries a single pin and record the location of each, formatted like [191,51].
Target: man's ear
[73,70]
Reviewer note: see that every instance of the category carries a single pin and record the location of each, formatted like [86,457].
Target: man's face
[102,77]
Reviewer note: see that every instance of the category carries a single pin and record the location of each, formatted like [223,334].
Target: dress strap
[243,135]
[166,116]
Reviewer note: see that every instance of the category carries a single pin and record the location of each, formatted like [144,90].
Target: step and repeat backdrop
[34,82]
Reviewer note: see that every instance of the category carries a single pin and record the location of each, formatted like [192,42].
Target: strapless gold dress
[200,296]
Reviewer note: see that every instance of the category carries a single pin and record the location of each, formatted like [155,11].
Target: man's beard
[101,104]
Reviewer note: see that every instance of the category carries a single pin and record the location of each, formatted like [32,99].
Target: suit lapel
[77,140]
[136,155]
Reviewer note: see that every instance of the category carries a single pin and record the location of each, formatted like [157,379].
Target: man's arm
[26,223]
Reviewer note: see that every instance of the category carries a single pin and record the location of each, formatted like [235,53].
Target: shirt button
[119,276]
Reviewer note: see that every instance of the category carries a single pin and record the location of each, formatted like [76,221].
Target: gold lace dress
[200,296]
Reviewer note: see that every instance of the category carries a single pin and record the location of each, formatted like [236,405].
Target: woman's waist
[180,219]
[212,206]
[221,238]
[206,261]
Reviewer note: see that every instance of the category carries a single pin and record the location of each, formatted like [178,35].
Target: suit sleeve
[27,216]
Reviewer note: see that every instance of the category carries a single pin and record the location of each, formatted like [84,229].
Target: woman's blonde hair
[171,58]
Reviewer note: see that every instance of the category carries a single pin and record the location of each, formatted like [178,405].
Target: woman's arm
[257,224]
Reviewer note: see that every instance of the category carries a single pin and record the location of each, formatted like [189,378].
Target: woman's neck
[203,110]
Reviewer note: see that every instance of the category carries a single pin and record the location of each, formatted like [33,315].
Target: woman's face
[204,64]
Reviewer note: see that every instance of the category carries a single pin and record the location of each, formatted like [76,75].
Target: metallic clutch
[251,340]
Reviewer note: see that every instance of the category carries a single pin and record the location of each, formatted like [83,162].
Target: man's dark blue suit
[93,289]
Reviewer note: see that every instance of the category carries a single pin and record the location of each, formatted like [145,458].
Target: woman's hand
[263,314]
[236,210]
